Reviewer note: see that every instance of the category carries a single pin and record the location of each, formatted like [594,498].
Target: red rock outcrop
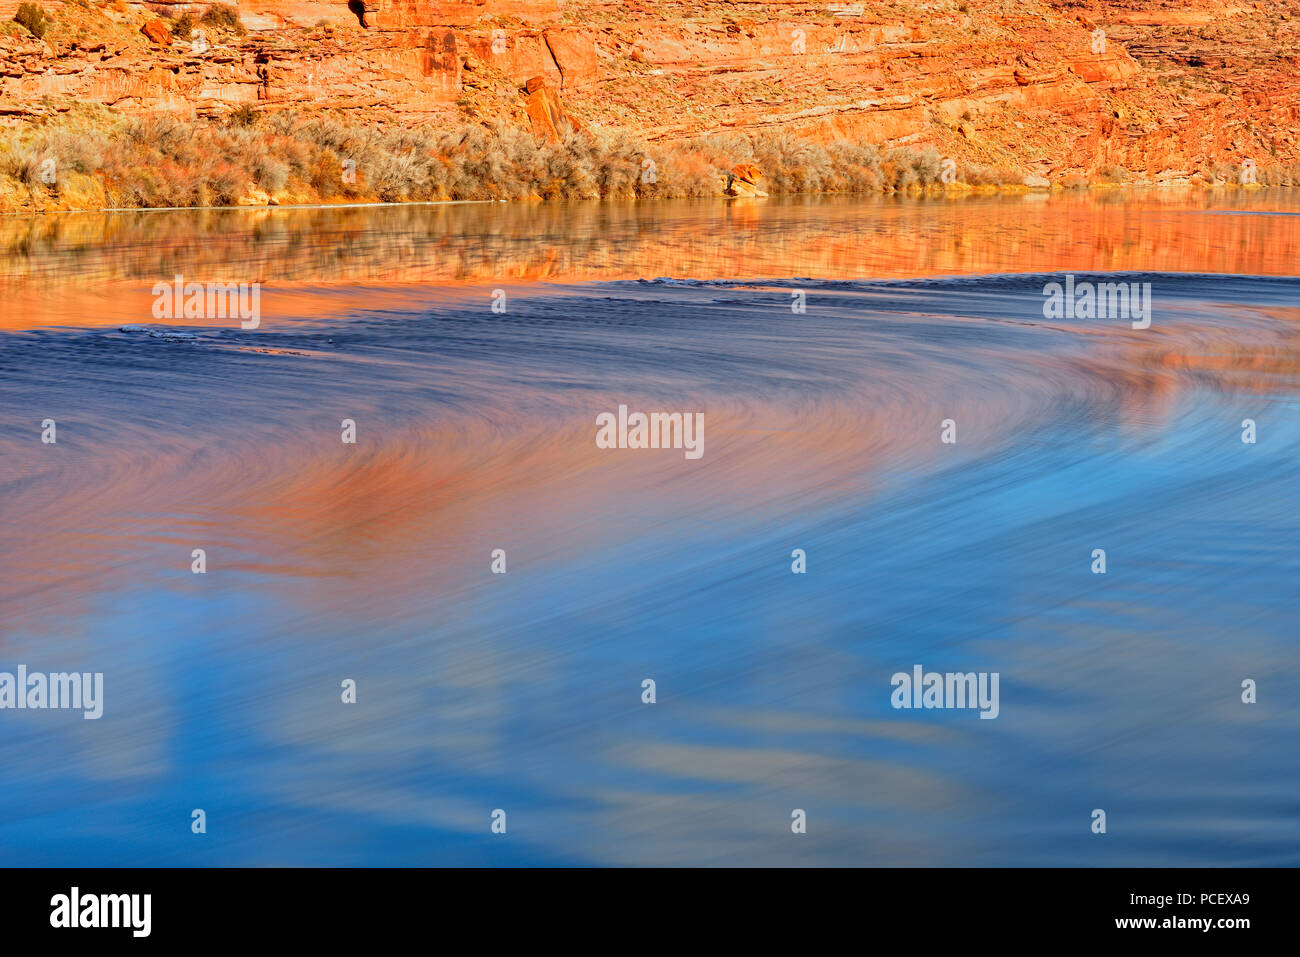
[546,113]
[1049,87]
[745,179]
[157,32]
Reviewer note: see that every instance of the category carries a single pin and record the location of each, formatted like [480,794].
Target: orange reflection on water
[77,268]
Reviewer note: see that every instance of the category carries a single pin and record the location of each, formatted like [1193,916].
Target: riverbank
[92,158]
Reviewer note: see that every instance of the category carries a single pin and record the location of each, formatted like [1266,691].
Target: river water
[823,432]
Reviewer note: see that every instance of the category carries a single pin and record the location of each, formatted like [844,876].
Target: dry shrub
[223,17]
[162,161]
[32,17]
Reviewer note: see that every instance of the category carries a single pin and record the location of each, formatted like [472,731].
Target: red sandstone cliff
[1051,89]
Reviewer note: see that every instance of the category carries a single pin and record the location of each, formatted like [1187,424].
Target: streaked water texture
[522,692]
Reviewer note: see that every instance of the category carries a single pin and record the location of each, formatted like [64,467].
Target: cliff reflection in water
[84,254]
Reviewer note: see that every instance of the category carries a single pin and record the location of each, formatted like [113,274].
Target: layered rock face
[1046,88]
[1221,80]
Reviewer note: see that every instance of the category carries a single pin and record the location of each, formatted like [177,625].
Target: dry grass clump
[1229,174]
[223,17]
[32,17]
[1288,175]
[976,174]
[162,161]
[21,159]
[183,26]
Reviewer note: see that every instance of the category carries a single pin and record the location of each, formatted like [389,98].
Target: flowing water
[476,431]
